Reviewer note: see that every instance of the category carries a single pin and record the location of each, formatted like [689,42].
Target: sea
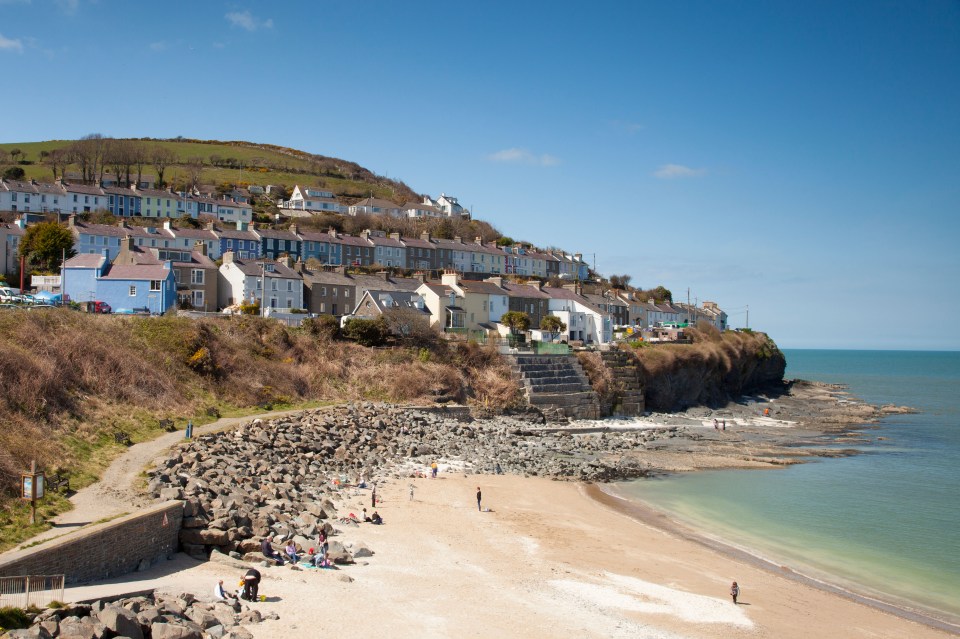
[884,523]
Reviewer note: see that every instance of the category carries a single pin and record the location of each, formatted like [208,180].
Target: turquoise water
[886,522]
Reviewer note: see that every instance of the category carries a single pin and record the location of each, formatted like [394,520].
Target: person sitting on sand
[267,548]
[376,519]
[291,551]
[366,517]
[219,593]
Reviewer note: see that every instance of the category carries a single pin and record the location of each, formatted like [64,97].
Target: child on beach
[734,591]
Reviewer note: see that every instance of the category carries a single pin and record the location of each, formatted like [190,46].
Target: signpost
[31,488]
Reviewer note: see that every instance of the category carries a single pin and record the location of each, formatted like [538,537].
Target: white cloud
[6,44]
[158,46]
[523,156]
[672,171]
[248,21]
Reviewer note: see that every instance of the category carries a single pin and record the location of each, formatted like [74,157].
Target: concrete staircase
[628,400]
[557,385]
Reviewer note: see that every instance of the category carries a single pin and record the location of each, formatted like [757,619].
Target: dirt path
[115,494]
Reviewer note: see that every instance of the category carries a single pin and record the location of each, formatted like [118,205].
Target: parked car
[10,295]
[139,310]
[97,307]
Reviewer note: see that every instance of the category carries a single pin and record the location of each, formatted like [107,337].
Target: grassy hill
[71,380]
[235,162]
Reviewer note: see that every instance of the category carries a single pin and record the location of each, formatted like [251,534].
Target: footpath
[115,493]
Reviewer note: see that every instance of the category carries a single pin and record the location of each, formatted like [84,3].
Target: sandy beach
[548,560]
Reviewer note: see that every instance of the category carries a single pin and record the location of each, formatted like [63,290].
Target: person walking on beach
[433,469]
[373,497]
[411,492]
[734,591]
[478,499]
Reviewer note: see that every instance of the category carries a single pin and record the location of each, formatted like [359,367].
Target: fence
[37,590]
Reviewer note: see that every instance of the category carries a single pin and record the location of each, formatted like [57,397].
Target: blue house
[122,202]
[323,247]
[244,243]
[89,277]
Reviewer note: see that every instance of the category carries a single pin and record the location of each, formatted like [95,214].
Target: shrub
[324,326]
[11,618]
[367,332]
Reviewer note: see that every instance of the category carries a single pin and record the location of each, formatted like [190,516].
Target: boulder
[175,631]
[121,621]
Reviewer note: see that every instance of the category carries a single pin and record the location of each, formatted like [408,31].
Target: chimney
[395,236]
[293,229]
[578,257]
[298,266]
[121,224]
[287,261]
[384,275]
[167,225]
[425,236]
[200,247]
[496,280]
[72,221]
[130,242]
[332,232]
[210,227]
[34,182]
[650,301]
[420,275]
[365,234]
[228,257]
[458,239]
[241,225]
[449,278]
[478,240]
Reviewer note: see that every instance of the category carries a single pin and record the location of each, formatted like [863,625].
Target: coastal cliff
[711,371]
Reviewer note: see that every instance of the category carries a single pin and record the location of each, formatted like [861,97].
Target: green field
[261,165]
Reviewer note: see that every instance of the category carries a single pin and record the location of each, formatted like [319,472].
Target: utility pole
[748,316]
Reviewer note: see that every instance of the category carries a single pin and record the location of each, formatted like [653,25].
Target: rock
[239,633]
[169,494]
[121,621]
[251,616]
[174,631]
[144,565]
[345,578]
[361,550]
[216,632]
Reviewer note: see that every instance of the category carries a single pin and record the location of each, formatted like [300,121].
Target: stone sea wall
[105,550]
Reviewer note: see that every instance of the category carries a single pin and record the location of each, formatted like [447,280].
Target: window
[198,299]
[334,291]
[273,285]
[133,291]
[323,307]
[290,285]
[346,292]
[155,285]
[289,303]
[196,276]
[323,290]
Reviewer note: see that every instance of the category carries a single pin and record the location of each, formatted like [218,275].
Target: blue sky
[802,159]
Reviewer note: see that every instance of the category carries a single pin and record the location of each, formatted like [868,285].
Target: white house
[585,322]
[306,198]
[278,285]
[422,211]
[376,206]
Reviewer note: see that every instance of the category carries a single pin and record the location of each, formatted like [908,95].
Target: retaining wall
[111,549]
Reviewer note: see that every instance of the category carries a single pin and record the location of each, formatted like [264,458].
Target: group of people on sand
[718,426]
[293,554]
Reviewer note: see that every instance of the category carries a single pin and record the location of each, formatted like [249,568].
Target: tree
[44,245]
[552,324]
[15,153]
[139,154]
[505,241]
[57,160]
[14,173]
[194,171]
[516,321]
[119,156]
[162,157]
[620,281]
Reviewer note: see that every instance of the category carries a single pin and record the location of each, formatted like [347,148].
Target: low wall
[111,549]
